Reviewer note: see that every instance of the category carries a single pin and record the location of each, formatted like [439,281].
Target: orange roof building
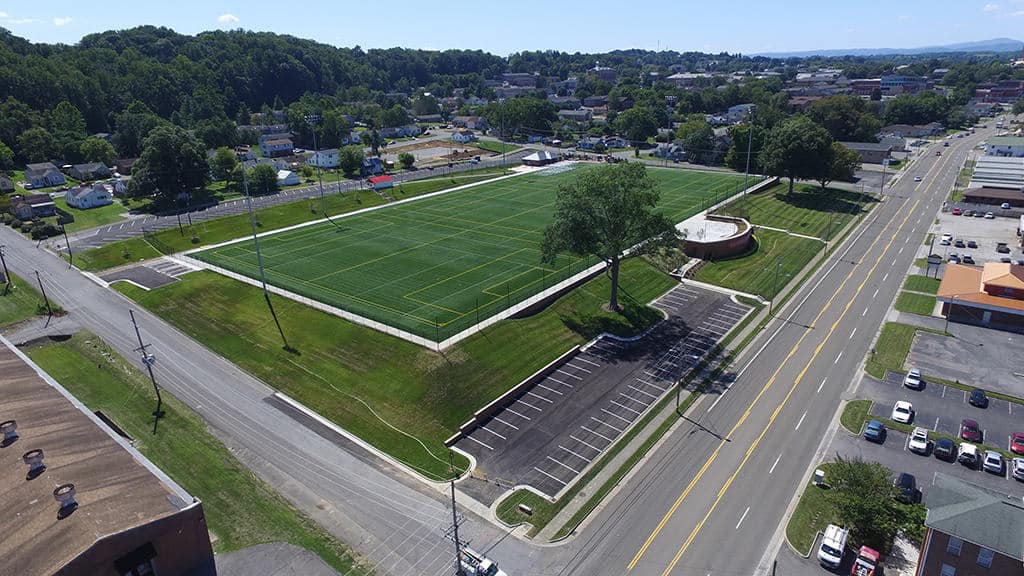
[992,295]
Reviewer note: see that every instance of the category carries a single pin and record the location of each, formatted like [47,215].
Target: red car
[956,211]
[970,431]
[1017,443]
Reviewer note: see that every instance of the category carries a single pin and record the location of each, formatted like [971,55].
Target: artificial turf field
[438,265]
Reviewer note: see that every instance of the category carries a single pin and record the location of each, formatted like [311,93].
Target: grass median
[913,303]
[241,510]
[813,513]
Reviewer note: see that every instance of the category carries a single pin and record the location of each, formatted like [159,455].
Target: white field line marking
[801,421]
[539,396]
[587,444]
[506,423]
[597,433]
[577,367]
[539,385]
[556,479]
[480,443]
[517,413]
[566,466]
[568,374]
[606,424]
[575,454]
[493,432]
[772,469]
[742,517]
[610,413]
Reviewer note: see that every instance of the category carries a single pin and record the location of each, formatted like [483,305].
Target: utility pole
[750,140]
[7,275]
[775,284]
[148,360]
[314,120]
[49,311]
[881,186]
[453,531]
[71,257]
[259,260]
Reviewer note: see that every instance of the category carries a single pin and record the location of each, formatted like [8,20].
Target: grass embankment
[341,365]
[773,261]
[241,510]
[19,301]
[808,210]
[496,147]
[854,414]
[268,218]
[918,283]
[914,303]
[813,513]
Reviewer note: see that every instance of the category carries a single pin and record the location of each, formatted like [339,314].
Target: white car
[1018,469]
[918,443]
[989,216]
[903,412]
[913,379]
[917,178]
[968,455]
[993,462]
[947,236]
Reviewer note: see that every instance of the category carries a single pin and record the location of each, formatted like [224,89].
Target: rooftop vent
[65,495]
[9,428]
[34,459]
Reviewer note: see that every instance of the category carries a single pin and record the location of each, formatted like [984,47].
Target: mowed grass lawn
[774,260]
[435,267]
[18,301]
[93,217]
[241,510]
[808,210]
[343,370]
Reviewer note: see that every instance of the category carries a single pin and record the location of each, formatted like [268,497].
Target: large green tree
[637,124]
[606,211]
[223,164]
[173,164]
[95,149]
[6,157]
[262,180]
[350,159]
[843,163]
[863,496]
[132,126]
[797,149]
[736,157]
[37,145]
[520,116]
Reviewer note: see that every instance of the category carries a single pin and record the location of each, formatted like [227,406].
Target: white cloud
[1017,14]
[22,21]
[4,15]
[62,21]
[990,7]
[227,19]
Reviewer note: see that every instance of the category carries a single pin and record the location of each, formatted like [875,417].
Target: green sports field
[438,265]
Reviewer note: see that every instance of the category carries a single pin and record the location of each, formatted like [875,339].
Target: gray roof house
[89,171]
[43,175]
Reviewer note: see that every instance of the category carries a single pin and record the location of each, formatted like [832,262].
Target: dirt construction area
[431,151]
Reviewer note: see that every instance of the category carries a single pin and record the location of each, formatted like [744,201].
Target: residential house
[470,122]
[564,102]
[463,136]
[524,79]
[979,107]
[825,75]
[89,171]
[670,151]
[124,165]
[580,116]
[739,112]
[406,131]
[287,178]
[276,163]
[276,147]
[907,131]
[43,175]
[508,92]
[603,73]
[1012,146]
[265,129]
[801,103]
[381,182]
[971,531]
[569,84]
[6,184]
[244,153]
[615,142]
[595,101]
[991,295]
[89,196]
[33,206]
[870,152]
[324,158]
[372,165]
[102,136]
[118,185]
[895,143]
[429,118]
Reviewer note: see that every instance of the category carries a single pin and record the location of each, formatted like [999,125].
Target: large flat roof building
[90,503]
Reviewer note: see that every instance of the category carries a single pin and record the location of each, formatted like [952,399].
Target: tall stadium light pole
[750,140]
[314,121]
[259,260]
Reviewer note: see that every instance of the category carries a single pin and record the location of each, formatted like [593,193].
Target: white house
[463,136]
[85,197]
[287,178]
[43,175]
[324,158]
[276,147]
[1005,146]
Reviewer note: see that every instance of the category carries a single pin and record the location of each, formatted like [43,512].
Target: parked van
[833,543]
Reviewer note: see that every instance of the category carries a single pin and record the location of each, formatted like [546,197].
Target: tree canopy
[797,149]
[172,165]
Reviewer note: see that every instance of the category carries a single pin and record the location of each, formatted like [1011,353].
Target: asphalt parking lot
[941,408]
[150,275]
[986,233]
[548,435]
[981,357]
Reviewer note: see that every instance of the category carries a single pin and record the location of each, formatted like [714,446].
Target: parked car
[906,486]
[913,379]
[978,398]
[968,212]
[967,259]
[945,449]
[1017,469]
[918,442]
[903,411]
[865,563]
[972,244]
[1017,443]
[954,258]
[944,242]
[993,462]
[979,214]
[833,544]
[1002,248]
[989,216]
[970,431]
[959,243]
[875,431]
[968,455]
[947,236]
[1006,260]
[957,211]
[1005,205]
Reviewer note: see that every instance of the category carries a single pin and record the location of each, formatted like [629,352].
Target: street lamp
[949,311]
[314,120]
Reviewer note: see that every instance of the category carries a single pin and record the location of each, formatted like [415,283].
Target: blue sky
[746,26]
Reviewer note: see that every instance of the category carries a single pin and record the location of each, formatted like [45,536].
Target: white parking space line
[653,397]
[610,413]
[541,397]
[493,432]
[569,374]
[587,444]
[560,463]
[513,426]
[936,427]
[588,361]
[624,407]
[619,430]
[772,469]
[559,381]
[550,476]
[575,454]
[480,443]
[598,434]
[539,385]
[577,367]
[742,517]
[801,421]
[528,405]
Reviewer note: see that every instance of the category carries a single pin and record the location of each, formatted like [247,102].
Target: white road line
[493,432]
[901,250]
[801,421]
[480,443]
[587,444]
[529,405]
[566,466]
[568,374]
[886,277]
[541,397]
[539,385]
[588,361]
[852,333]
[556,479]
[623,406]
[577,367]
[936,427]
[641,391]
[606,424]
[875,295]
[838,357]
[772,469]
[597,433]
[742,517]
[864,313]
[574,454]
[610,413]
[822,385]
[906,240]
[507,424]
[717,400]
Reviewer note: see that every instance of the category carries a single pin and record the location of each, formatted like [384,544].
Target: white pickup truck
[476,564]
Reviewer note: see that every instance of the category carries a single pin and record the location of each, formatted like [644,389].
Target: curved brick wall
[725,247]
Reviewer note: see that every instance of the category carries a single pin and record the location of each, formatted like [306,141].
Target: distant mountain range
[994,45]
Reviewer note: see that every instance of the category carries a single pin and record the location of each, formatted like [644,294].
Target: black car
[906,488]
[967,259]
[978,398]
[959,243]
[972,244]
[944,449]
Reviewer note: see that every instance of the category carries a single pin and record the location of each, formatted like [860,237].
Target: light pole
[314,120]
[881,186]
[259,260]
[945,327]
[750,140]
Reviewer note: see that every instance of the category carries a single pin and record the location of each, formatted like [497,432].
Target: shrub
[14,222]
[42,231]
